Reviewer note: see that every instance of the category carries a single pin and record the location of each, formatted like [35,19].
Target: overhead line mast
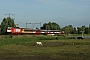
[9,14]
[33,24]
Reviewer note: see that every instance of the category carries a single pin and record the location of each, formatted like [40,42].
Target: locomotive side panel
[16,30]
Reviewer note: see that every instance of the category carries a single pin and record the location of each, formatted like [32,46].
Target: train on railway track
[13,30]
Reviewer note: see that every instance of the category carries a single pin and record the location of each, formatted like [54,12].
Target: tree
[86,30]
[0,29]
[89,29]
[75,30]
[50,26]
[66,30]
[7,22]
[83,28]
[71,29]
[79,30]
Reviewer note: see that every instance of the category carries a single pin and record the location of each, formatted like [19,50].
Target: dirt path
[32,58]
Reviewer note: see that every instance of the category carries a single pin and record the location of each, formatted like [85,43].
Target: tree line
[9,22]
[76,30]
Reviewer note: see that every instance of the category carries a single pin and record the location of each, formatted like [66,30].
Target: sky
[63,12]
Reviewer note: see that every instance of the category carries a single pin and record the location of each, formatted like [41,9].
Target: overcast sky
[63,12]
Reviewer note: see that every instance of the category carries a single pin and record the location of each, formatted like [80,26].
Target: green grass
[24,46]
[6,40]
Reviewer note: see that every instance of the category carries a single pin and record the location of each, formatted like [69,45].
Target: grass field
[24,48]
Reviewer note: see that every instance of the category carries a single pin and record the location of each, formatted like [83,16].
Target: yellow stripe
[28,32]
